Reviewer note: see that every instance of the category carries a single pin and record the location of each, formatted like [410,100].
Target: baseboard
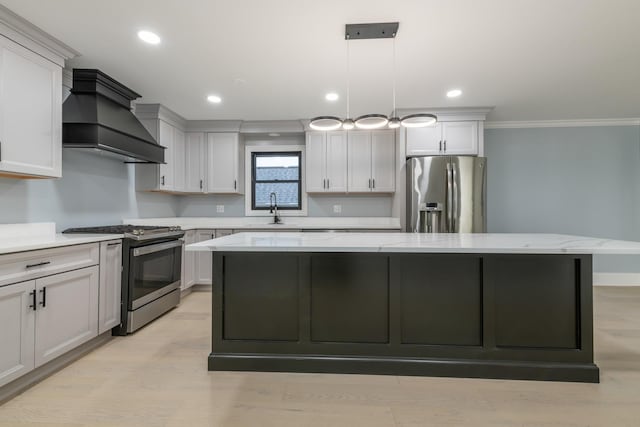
[19,385]
[201,288]
[616,279]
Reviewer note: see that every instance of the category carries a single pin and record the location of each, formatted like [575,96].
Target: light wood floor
[158,377]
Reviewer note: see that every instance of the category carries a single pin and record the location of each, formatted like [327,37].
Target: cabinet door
[222,163]
[204,259]
[315,158]
[460,137]
[194,162]
[383,161]
[359,145]
[336,162]
[166,170]
[30,112]
[425,141]
[178,160]
[110,285]
[17,329]
[67,313]
[188,261]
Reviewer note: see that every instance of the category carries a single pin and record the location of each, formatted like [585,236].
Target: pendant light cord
[348,76]
[393,113]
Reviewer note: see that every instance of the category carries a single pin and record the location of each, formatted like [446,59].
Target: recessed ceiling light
[453,93]
[149,37]
[214,99]
[331,96]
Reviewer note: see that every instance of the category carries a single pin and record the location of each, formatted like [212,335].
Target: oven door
[154,271]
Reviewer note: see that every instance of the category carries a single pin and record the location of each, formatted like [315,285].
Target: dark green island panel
[510,316]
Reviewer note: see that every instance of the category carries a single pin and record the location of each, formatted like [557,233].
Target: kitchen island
[513,306]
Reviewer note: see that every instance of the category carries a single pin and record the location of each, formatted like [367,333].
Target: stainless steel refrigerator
[446,194]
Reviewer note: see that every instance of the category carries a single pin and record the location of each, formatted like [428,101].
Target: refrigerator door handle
[449,199]
[454,203]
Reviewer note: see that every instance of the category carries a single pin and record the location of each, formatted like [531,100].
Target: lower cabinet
[110,285]
[67,312]
[44,318]
[203,259]
[188,278]
[17,330]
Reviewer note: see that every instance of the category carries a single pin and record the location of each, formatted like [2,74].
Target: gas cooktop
[136,232]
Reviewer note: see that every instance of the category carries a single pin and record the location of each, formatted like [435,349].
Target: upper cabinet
[224,174]
[195,167]
[371,157]
[444,138]
[30,113]
[326,162]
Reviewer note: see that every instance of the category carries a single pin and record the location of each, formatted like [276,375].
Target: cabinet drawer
[33,264]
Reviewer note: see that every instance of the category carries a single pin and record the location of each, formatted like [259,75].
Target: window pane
[286,194]
[285,167]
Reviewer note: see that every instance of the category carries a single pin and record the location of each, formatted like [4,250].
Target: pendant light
[372,121]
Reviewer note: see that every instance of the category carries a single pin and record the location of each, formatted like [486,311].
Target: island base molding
[588,373]
[507,316]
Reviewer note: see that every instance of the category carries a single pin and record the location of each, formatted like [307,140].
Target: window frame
[269,146]
[254,156]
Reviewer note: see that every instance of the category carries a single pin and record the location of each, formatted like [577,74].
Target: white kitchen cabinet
[30,113]
[326,162]
[195,167]
[179,173]
[188,278]
[17,330]
[110,285]
[444,138]
[67,313]
[371,163]
[169,176]
[204,259]
[223,163]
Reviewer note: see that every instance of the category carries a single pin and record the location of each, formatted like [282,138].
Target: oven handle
[145,250]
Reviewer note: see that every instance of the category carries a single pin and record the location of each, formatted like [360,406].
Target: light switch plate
[220,208]
[337,208]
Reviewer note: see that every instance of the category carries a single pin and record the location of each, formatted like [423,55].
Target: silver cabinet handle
[440,149]
[162,180]
[235,184]
[445,145]
[39,264]
[324,183]
[114,244]
[328,185]
[201,184]
[369,182]
[373,181]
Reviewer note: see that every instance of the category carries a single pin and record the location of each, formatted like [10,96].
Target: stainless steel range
[151,270]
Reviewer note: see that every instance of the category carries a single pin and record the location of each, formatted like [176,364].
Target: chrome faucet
[273,207]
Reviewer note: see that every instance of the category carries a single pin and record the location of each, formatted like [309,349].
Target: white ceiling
[275,60]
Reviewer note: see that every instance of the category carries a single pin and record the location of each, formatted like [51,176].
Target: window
[279,173]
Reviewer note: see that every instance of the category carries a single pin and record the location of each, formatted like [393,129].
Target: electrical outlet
[337,208]
[220,208]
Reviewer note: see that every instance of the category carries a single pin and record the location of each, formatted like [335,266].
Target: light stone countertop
[503,243]
[34,236]
[263,223]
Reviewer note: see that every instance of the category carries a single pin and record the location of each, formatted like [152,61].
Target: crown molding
[214,125]
[449,114]
[561,123]
[33,38]
[272,126]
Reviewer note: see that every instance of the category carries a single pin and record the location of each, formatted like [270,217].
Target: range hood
[97,115]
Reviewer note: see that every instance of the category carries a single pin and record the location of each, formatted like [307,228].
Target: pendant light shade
[325,123]
[394,123]
[371,121]
[418,120]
